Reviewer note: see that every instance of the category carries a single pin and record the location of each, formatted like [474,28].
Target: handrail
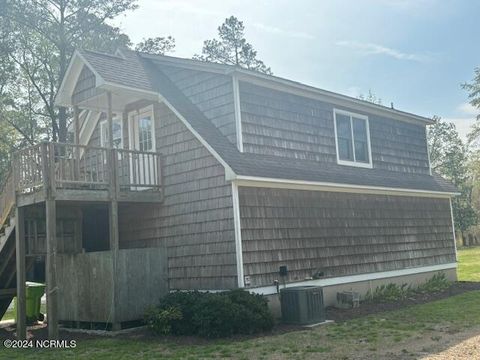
[91,168]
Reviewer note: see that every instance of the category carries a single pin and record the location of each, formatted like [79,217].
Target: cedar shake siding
[85,87]
[285,125]
[340,234]
[211,93]
[195,220]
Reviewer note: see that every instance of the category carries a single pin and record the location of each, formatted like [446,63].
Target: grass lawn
[469,264]
[373,336]
[406,331]
[10,314]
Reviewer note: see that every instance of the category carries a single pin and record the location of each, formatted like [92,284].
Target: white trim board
[453,230]
[238,236]
[252,181]
[269,290]
[354,163]
[238,113]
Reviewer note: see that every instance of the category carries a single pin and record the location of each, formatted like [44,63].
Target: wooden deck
[85,173]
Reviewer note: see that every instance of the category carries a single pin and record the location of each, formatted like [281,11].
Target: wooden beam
[8,292]
[51,275]
[114,248]
[21,273]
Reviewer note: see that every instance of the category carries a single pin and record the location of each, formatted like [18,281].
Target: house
[193,175]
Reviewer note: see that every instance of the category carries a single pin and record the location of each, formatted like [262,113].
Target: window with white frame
[352,137]
[117,132]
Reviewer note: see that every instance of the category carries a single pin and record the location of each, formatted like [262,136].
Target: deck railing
[69,166]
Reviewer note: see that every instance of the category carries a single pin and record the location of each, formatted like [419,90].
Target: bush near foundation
[210,315]
[393,292]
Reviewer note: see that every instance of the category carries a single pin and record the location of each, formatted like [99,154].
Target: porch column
[76,140]
[51,275]
[113,212]
[21,277]
[76,124]
[110,119]
[51,239]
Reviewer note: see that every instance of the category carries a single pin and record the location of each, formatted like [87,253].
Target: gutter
[254,181]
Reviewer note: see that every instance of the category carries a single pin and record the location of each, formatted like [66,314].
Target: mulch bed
[364,309]
[40,331]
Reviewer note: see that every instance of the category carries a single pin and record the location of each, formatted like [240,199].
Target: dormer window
[352,138]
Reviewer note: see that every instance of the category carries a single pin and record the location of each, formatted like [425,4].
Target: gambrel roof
[144,72]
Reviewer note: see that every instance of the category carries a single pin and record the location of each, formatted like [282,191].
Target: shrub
[437,282]
[212,315]
[393,292]
[187,302]
[160,320]
[388,293]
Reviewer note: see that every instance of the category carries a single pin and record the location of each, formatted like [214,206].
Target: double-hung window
[352,138]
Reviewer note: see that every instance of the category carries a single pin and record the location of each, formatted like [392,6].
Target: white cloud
[468,109]
[467,115]
[463,125]
[375,49]
[278,31]
[183,6]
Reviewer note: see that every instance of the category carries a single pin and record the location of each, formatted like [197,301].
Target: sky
[414,53]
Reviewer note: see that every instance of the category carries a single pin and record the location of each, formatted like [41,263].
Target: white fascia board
[114,87]
[269,290]
[311,92]
[64,95]
[252,181]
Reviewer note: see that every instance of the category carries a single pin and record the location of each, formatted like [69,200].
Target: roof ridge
[101,54]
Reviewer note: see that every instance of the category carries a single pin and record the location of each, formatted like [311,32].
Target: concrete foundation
[362,287]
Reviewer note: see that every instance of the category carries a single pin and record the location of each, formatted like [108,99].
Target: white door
[142,139]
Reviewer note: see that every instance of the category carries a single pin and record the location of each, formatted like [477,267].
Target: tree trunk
[62,112]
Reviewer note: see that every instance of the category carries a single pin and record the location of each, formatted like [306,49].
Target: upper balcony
[69,172]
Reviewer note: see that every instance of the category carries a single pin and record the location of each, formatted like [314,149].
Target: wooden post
[21,273]
[109,120]
[76,123]
[113,212]
[51,276]
[48,156]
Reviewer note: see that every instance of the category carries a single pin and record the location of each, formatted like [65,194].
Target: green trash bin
[33,293]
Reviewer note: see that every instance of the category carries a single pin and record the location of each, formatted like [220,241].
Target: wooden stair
[7,265]
[8,269]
